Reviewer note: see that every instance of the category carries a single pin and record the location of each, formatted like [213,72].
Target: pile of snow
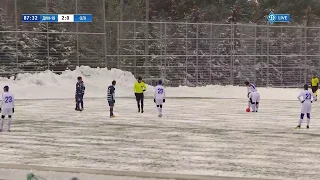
[48,85]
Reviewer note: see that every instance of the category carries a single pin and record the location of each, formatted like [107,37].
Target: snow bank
[47,85]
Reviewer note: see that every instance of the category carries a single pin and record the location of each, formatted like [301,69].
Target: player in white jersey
[305,97]
[159,97]
[7,107]
[253,95]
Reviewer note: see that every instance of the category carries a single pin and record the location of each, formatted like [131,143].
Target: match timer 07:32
[30,17]
[56,18]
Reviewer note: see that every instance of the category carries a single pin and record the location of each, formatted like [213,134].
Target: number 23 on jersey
[160,91]
[8,99]
[308,96]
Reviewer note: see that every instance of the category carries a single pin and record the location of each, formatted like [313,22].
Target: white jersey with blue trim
[307,96]
[252,88]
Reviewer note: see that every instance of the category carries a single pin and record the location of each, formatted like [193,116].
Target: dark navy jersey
[80,88]
[111,93]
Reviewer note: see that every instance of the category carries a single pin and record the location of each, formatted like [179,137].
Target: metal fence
[205,53]
[192,54]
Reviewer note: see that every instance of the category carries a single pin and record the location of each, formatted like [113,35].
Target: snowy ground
[196,136]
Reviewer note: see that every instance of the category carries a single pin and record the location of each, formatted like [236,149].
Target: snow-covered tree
[8,56]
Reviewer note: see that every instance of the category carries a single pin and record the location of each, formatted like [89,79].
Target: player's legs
[138,100]
[315,90]
[301,120]
[252,102]
[303,112]
[111,105]
[78,100]
[253,105]
[2,122]
[9,122]
[4,113]
[142,99]
[81,101]
[257,101]
[308,114]
[159,105]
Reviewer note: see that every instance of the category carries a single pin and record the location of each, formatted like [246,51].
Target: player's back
[159,92]
[7,100]
[307,96]
[111,91]
[252,88]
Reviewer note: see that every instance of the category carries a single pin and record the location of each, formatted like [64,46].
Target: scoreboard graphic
[42,18]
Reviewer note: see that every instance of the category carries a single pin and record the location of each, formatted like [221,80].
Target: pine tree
[34,47]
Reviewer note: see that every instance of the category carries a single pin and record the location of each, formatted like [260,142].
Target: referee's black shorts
[139,96]
[314,88]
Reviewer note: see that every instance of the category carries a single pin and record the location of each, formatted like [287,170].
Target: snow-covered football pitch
[195,136]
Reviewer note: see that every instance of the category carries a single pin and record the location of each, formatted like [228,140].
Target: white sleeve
[2,101]
[299,96]
[155,93]
[164,93]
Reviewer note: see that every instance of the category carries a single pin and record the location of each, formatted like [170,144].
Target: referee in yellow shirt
[315,85]
[139,88]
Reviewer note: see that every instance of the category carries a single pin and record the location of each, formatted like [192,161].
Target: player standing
[80,89]
[139,88]
[7,107]
[159,97]
[111,97]
[307,97]
[252,88]
[315,84]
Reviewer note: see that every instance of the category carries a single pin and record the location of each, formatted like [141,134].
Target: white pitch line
[120,173]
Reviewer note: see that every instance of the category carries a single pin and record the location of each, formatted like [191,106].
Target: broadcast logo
[272,18]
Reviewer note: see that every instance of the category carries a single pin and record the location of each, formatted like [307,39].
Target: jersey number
[160,91]
[8,99]
[110,91]
[308,96]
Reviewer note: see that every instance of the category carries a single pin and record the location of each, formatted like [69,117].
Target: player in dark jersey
[111,97]
[80,89]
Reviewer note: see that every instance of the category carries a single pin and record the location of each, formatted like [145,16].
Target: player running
[253,95]
[159,97]
[111,97]
[80,89]
[139,88]
[307,98]
[7,107]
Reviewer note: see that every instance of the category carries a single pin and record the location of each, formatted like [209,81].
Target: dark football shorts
[139,96]
[111,103]
[314,88]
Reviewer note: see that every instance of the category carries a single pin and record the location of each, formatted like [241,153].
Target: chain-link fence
[205,53]
[192,54]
